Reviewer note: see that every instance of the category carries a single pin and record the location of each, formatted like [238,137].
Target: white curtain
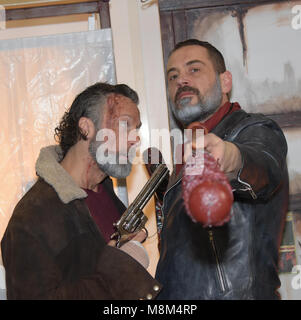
[40,77]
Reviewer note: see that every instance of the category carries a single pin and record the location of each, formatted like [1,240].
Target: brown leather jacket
[52,249]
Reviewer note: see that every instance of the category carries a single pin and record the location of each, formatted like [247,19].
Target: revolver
[133,219]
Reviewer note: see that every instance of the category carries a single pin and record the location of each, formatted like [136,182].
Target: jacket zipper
[219,269]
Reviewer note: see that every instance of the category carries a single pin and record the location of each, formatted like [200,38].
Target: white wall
[139,63]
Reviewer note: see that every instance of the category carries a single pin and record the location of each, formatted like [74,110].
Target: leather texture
[239,259]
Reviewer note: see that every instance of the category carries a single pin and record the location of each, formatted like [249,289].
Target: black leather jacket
[239,259]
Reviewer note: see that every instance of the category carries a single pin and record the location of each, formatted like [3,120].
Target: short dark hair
[215,56]
[87,104]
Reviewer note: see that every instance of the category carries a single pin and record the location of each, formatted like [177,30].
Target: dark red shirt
[105,209]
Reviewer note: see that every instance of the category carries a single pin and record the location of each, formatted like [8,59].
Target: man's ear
[86,127]
[226,81]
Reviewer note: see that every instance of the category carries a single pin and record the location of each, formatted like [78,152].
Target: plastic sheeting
[40,77]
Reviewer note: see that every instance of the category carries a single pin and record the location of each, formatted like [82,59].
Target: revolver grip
[128,227]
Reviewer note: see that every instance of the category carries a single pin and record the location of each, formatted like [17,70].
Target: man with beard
[57,244]
[237,260]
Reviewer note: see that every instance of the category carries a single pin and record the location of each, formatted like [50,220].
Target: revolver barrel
[133,220]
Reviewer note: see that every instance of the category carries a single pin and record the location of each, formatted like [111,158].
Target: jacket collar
[230,120]
[49,169]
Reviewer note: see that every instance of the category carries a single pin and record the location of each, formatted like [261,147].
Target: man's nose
[182,80]
[134,141]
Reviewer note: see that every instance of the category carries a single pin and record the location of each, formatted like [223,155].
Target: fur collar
[49,169]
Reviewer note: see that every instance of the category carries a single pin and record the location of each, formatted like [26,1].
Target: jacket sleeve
[32,272]
[263,149]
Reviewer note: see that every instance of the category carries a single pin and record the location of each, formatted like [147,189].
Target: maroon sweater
[105,207]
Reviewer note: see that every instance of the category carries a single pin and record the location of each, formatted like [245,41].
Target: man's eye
[193,70]
[173,77]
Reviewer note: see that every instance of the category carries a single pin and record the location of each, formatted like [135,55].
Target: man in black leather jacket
[239,259]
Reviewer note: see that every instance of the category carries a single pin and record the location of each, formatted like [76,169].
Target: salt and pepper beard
[186,112]
[111,166]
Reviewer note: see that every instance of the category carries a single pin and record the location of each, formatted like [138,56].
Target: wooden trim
[167,33]
[287,120]
[54,10]
[38,3]
[104,14]
[171,5]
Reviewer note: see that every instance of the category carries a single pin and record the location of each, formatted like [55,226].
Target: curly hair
[88,103]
